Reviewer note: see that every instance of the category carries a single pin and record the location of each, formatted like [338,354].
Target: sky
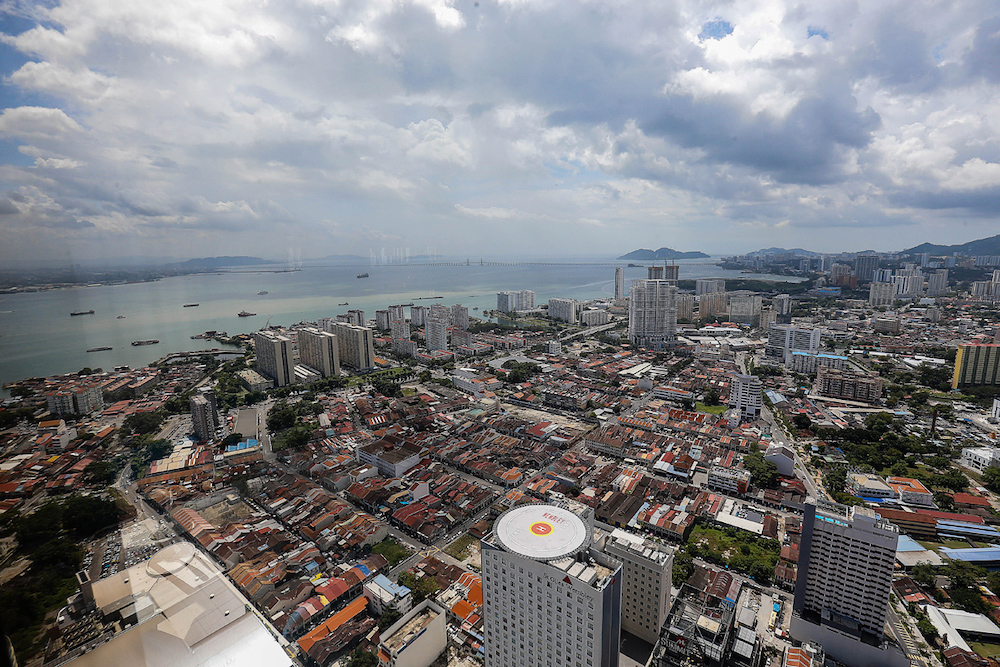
[308,128]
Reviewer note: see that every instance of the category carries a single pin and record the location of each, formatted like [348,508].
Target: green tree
[835,481]
[802,422]
[389,617]
[763,473]
[711,397]
[85,515]
[991,479]
[925,575]
[143,422]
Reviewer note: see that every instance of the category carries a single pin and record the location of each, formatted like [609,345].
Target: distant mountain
[763,252]
[337,259]
[219,262]
[662,253]
[989,246]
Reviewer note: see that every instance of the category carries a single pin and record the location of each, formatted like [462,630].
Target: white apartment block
[396,313]
[937,283]
[507,302]
[415,640]
[782,304]
[652,314]
[319,350]
[620,283]
[868,486]
[647,569]
[881,294]
[436,333]
[709,285]
[746,309]
[382,319]
[356,345]
[845,567]
[806,363]
[275,356]
[593,318]
[460,317]
[418,315]
[746,394]
[564,310]
[526,300]
[548,597]
[782,340]
[980,458]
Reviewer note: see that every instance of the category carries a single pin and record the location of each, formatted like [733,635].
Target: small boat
[120,317]
[191,305]
[82,312]
[262,293]
[151,341]
[343,304]
[475,308]
[363,275]
[100,349]
[244,313]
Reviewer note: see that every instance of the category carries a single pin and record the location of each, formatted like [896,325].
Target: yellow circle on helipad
[541,528]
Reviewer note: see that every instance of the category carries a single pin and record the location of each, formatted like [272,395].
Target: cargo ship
[100,349]
[262,293]
[151,341]
[244,313]
[191,305]
[363,275]
[82,312]
[343,304]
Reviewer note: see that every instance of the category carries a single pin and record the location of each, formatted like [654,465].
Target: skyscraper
[746,309]
[647,572]
[711,304]
[881,294]
[845,567]
[526,300]
[548,597]
[671,272]
[654,272]
[746,394]
[652,313]
[685,307]
[275,357]
[436,333]
[865,266]
[460,317]
[563,309]
[782,340]
[418,315]
[619,283]
[320,351]
[507,302]
[937,283]
[203,418]
[976,365]
[356,345]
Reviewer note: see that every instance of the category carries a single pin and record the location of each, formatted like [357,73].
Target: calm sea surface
[39,338]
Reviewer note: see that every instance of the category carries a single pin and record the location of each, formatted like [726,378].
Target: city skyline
[320,129]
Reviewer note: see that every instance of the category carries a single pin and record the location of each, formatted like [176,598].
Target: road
[590,330]
[905,633]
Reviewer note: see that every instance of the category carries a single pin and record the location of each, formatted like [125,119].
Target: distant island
[219,262]
[797,252]
[662,253]
[987,246]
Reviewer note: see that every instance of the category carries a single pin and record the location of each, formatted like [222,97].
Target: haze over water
[39,338]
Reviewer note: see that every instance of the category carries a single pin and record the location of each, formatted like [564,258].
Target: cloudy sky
[305,128]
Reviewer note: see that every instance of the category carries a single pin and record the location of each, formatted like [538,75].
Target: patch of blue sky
[716,29]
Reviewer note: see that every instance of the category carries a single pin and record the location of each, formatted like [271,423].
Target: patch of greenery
[421,589]
[459,549]
[737,549]
[392,551]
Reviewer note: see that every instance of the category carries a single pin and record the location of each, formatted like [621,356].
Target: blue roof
[907,543]
[397,590]
[978,555]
